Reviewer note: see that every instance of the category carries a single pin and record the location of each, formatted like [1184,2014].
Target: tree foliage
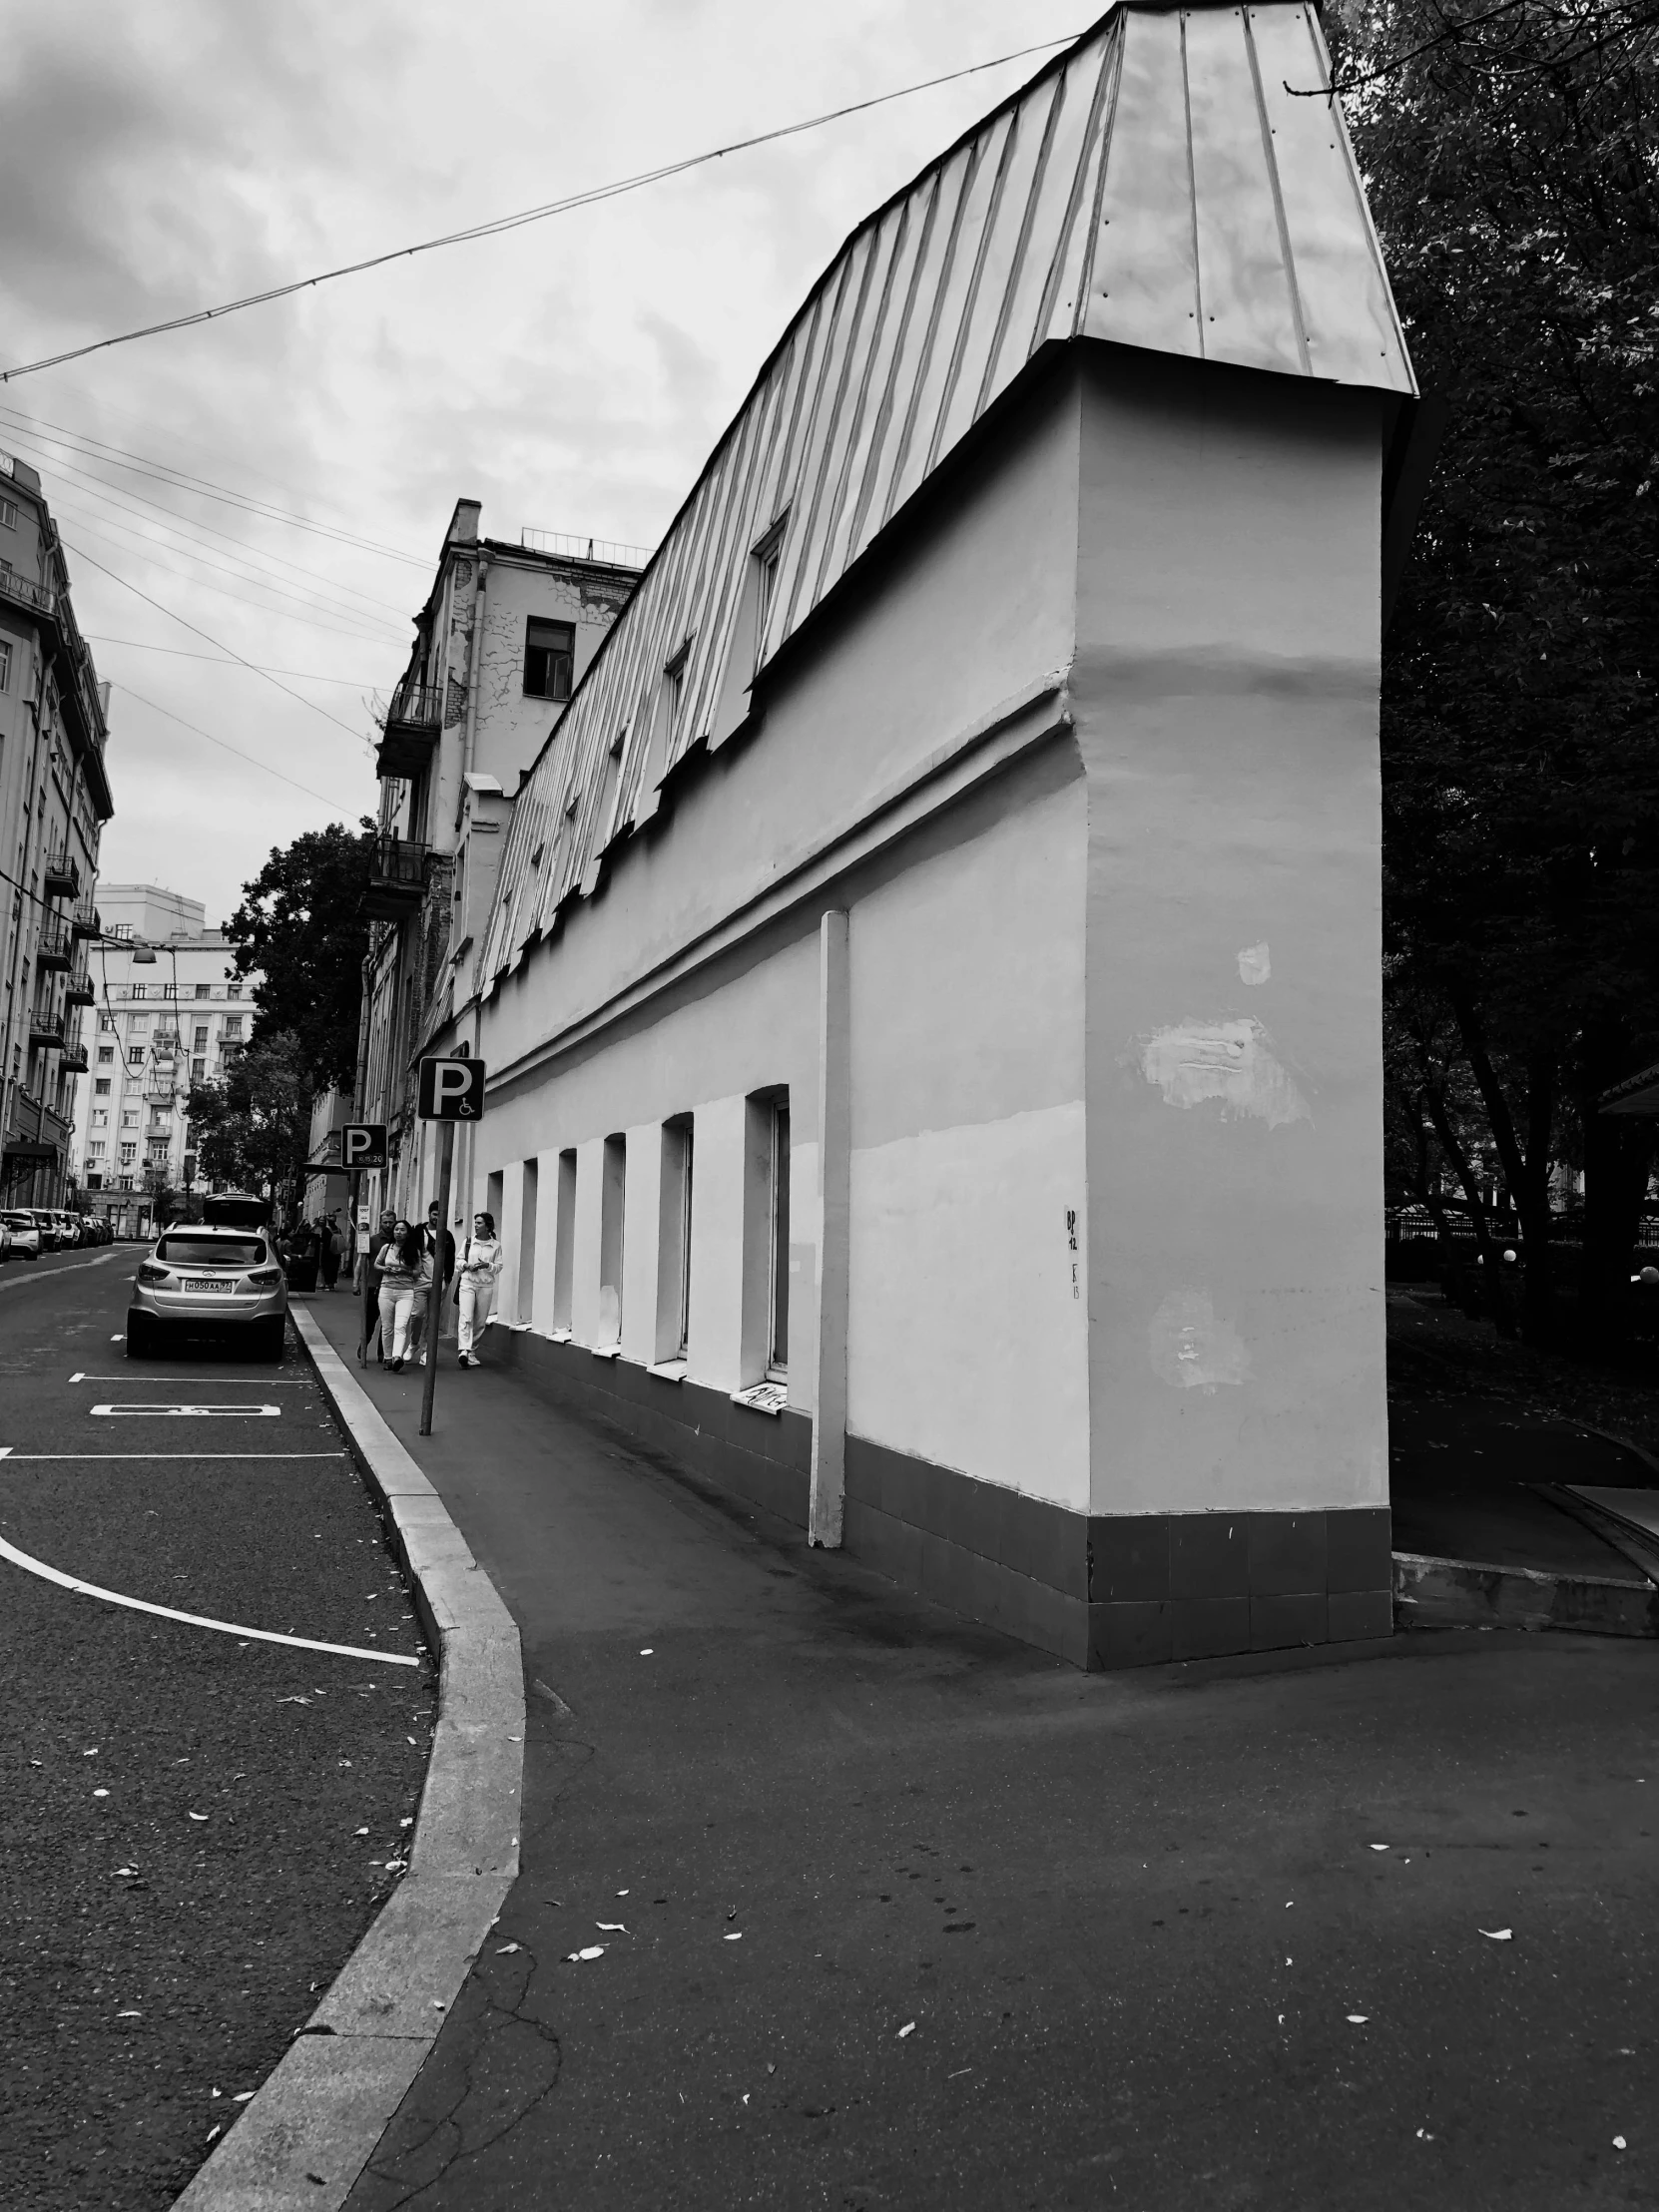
[252,1130]
[301,927]
[1511,165]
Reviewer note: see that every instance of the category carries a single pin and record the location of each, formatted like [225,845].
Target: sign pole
[434,1308]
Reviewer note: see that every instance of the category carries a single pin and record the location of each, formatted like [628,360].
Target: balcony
[61,875]
[396,880]
[46,1028]
[74,1057]
[57,944]
[33,1131]
[83,921]
[80,990]
[22,593]
[410,731]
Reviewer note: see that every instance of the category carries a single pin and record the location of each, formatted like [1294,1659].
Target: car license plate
[193,1282]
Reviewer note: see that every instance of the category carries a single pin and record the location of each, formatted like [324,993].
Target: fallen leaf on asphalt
[216,2092]
[1379,1847]
[100,1793]
[410,1823]
[735,1936]
[1358,2020]
[439,2006]
[355,1831]
[622,1893]
[200,1816]
[1618,2142]
[241,2096]
[1498,1934]
[771,2067]
[218,2129]
[503,1950]
[610,1928]
[592,1951]
[92,1754]
[908,2028]
[129,2015]
[1424,2135]
[649,1649]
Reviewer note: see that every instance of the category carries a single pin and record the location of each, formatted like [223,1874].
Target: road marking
[266,1381]
[77,1378]
[6,1453]
[193,1620]
[103,1259]
[191,1412]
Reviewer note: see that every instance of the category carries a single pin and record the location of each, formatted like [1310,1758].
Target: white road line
[77,1378]
[10,1282]
[6,1453]
[170,1412]
[266,1381]
[193,1620]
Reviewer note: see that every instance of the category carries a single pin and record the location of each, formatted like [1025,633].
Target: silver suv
[200,1279]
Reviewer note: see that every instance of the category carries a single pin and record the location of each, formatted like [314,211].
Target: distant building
[54,802]
[932,994]
[170,1011]
[506,634]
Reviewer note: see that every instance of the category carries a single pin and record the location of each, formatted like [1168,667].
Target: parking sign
[451,1090]
[362,1144]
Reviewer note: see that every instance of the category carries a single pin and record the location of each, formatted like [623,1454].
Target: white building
[169,1009]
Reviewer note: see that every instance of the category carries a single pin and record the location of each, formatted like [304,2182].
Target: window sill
[606,1352]
[670,1371]
[560,1336]
[764,1397]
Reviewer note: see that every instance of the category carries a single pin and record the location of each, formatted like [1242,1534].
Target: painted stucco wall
[511,727]
[1226,690]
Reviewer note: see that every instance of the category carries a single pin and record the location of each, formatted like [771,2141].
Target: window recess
[549,659]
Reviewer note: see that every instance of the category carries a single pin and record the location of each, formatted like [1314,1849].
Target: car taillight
[149,1272]
[266,1278]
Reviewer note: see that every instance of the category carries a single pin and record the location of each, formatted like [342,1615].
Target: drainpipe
[475,662]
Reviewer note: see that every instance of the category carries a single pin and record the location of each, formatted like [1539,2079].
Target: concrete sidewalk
[1151,1950]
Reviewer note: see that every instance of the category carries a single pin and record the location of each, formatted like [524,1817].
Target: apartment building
[54,801]
[506,635]
[170,1010]
[931,992]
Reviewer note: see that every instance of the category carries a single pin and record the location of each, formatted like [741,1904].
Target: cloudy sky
[572,375]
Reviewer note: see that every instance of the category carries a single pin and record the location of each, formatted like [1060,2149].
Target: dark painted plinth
[1101,1591]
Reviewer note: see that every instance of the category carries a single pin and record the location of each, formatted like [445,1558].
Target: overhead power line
[217,660]
[209,639]
[225,744]
[498,224]
[203,487]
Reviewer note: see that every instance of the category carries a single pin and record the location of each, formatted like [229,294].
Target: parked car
[202,1278]
[24,1232]
[47,1222]
[69,1229]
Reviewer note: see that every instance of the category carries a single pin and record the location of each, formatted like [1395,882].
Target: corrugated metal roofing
[1158,183]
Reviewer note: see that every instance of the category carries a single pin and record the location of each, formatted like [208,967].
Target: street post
[451,1091]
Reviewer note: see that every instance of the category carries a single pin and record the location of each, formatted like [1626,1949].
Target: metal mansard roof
[1158,185]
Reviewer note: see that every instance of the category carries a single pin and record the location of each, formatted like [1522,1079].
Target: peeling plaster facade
[1029,865]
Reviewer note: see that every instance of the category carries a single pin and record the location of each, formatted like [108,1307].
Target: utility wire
[163,472]
[252,759]
[186,526]
[213,660]
[209,639]
[501,224]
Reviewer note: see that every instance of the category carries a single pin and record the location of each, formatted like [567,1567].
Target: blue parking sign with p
[451,1090]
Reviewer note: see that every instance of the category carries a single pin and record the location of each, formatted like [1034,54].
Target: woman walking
[405,1277]
[475,1281]
[374,1339]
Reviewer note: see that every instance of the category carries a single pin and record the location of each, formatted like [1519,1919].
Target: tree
[301,927]
[1513,178]
[252,1130]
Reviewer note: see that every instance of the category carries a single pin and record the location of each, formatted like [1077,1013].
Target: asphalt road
[195,1827]
[890,1911]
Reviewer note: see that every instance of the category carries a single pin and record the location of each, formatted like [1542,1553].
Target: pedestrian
[374,1338]
[328,1251]
[438,1242]
[476,1283]
[405,1282]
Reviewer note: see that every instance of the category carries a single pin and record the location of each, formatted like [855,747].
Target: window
[564,1240]
[137,1025]
[101,1117]
[5,664]
[233,990]
[106,1021]
[8,516]
[233,1028]
[170,990]
[159,1117]
[549,659]
[134,1056]
[106,1056]
[201,990]
[129,1153]
[768,555]
[673,1224]
[95,1148]
[129,1117]
[766,1238]
[141,990]
[527,1240]
[126,1182]
[198,1071]
[199,1043]
[101,1084]
[613,1192]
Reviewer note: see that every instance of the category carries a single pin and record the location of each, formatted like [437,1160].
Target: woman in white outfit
[476,1272]
[406,1269]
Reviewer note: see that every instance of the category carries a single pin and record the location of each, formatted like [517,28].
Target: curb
[1467,1593]
[308,2134]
